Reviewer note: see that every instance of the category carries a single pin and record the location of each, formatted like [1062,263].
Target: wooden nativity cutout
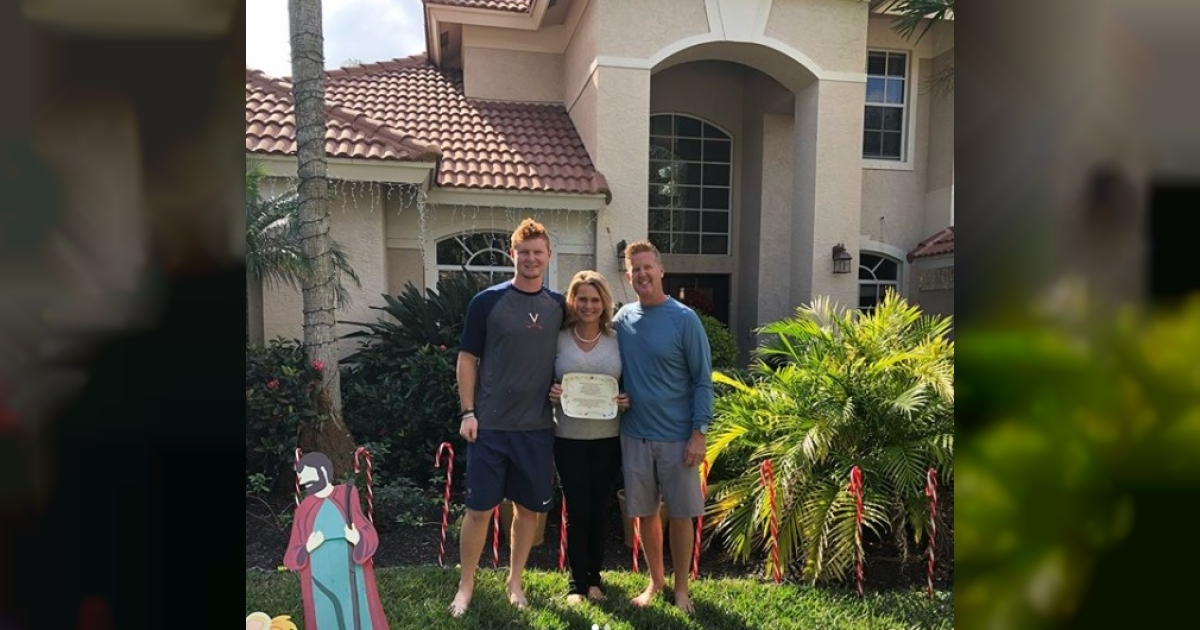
[331,548]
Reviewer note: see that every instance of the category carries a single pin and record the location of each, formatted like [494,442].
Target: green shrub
[280,399]
[721,341]
[409,404]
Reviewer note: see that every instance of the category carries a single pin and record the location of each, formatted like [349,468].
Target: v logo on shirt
[533,318]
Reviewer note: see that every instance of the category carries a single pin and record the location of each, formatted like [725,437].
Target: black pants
[588,470]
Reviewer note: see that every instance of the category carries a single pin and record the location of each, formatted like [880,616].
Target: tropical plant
[413,320]
[274,255]
[830,390]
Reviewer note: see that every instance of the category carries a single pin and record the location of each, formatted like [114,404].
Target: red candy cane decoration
[496,536]
[637,541]
[700,521]
[856,487]
[931,493]
[437,463]
[767,474]
[562,536]
[297,466]
[362,451]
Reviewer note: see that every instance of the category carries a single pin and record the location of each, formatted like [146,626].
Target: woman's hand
[555,393]
[622,401]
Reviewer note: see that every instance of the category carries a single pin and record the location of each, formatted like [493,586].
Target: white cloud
[365,30]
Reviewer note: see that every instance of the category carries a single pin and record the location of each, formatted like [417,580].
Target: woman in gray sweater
[587,451]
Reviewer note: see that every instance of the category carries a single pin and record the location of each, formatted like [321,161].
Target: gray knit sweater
[605,358]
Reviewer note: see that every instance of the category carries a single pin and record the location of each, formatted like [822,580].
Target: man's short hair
[527,230]
[637,247]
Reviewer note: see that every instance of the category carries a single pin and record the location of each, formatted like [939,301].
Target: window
[690,182]
[876,274]
[883,120]
[484,253]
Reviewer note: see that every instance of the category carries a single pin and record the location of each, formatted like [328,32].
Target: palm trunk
[320,341]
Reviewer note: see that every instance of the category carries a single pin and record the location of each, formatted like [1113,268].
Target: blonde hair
[597,281]
[527,230]
[638,247]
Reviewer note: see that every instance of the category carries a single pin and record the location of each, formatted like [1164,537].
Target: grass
[417,597]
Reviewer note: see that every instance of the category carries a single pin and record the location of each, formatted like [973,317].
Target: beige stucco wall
[939,187]
[579,79]
[831,33]
[622,141]
[512,75]
[639,29]
[774,246]
[933,284]
[827,187]
[404,266]
[578,57]
[357,224]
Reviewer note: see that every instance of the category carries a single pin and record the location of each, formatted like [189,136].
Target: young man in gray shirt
[505,370]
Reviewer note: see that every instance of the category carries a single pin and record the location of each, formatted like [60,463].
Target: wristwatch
[703,429]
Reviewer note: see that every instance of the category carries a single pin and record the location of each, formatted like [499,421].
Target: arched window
[876,274]
[484,254]
[690,181]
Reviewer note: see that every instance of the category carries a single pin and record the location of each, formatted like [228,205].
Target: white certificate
[589,396]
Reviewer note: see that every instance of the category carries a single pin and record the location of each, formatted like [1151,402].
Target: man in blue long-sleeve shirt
[667,372]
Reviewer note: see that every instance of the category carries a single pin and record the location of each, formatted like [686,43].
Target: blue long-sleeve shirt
[666,367]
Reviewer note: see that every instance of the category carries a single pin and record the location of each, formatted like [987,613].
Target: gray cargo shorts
[654,472]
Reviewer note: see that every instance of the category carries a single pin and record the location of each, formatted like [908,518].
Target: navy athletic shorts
[517,465]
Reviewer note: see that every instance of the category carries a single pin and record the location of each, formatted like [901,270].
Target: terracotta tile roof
[271,128]
[407,105]
[518,6]
[941,242]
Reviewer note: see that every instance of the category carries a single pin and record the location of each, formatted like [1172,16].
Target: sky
[361,30]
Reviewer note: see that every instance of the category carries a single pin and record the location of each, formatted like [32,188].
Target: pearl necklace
[575,331]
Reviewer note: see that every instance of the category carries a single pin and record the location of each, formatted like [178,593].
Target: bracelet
[466,412]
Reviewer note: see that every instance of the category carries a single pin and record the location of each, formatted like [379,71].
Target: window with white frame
[883,120]
[484,254]
[690,183]
[876,274]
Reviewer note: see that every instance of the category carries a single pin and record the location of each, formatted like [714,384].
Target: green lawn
[417,597]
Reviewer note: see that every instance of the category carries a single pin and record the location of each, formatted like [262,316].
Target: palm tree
[320,339]
[274,256]
[832,390]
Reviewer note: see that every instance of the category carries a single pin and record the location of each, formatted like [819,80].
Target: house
[775,150]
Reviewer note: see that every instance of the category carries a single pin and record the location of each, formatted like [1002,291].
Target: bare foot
[684,602]
[647,596]
[462,599]
[516,596]
[595,594]
[575,599]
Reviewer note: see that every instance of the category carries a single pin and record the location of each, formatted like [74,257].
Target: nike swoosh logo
[547,501]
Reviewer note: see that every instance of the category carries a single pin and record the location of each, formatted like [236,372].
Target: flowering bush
[279,400]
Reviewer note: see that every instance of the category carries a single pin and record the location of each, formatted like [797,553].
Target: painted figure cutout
[331,548]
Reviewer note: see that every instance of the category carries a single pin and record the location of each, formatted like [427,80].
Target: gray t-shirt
[513,333]
[605,358]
